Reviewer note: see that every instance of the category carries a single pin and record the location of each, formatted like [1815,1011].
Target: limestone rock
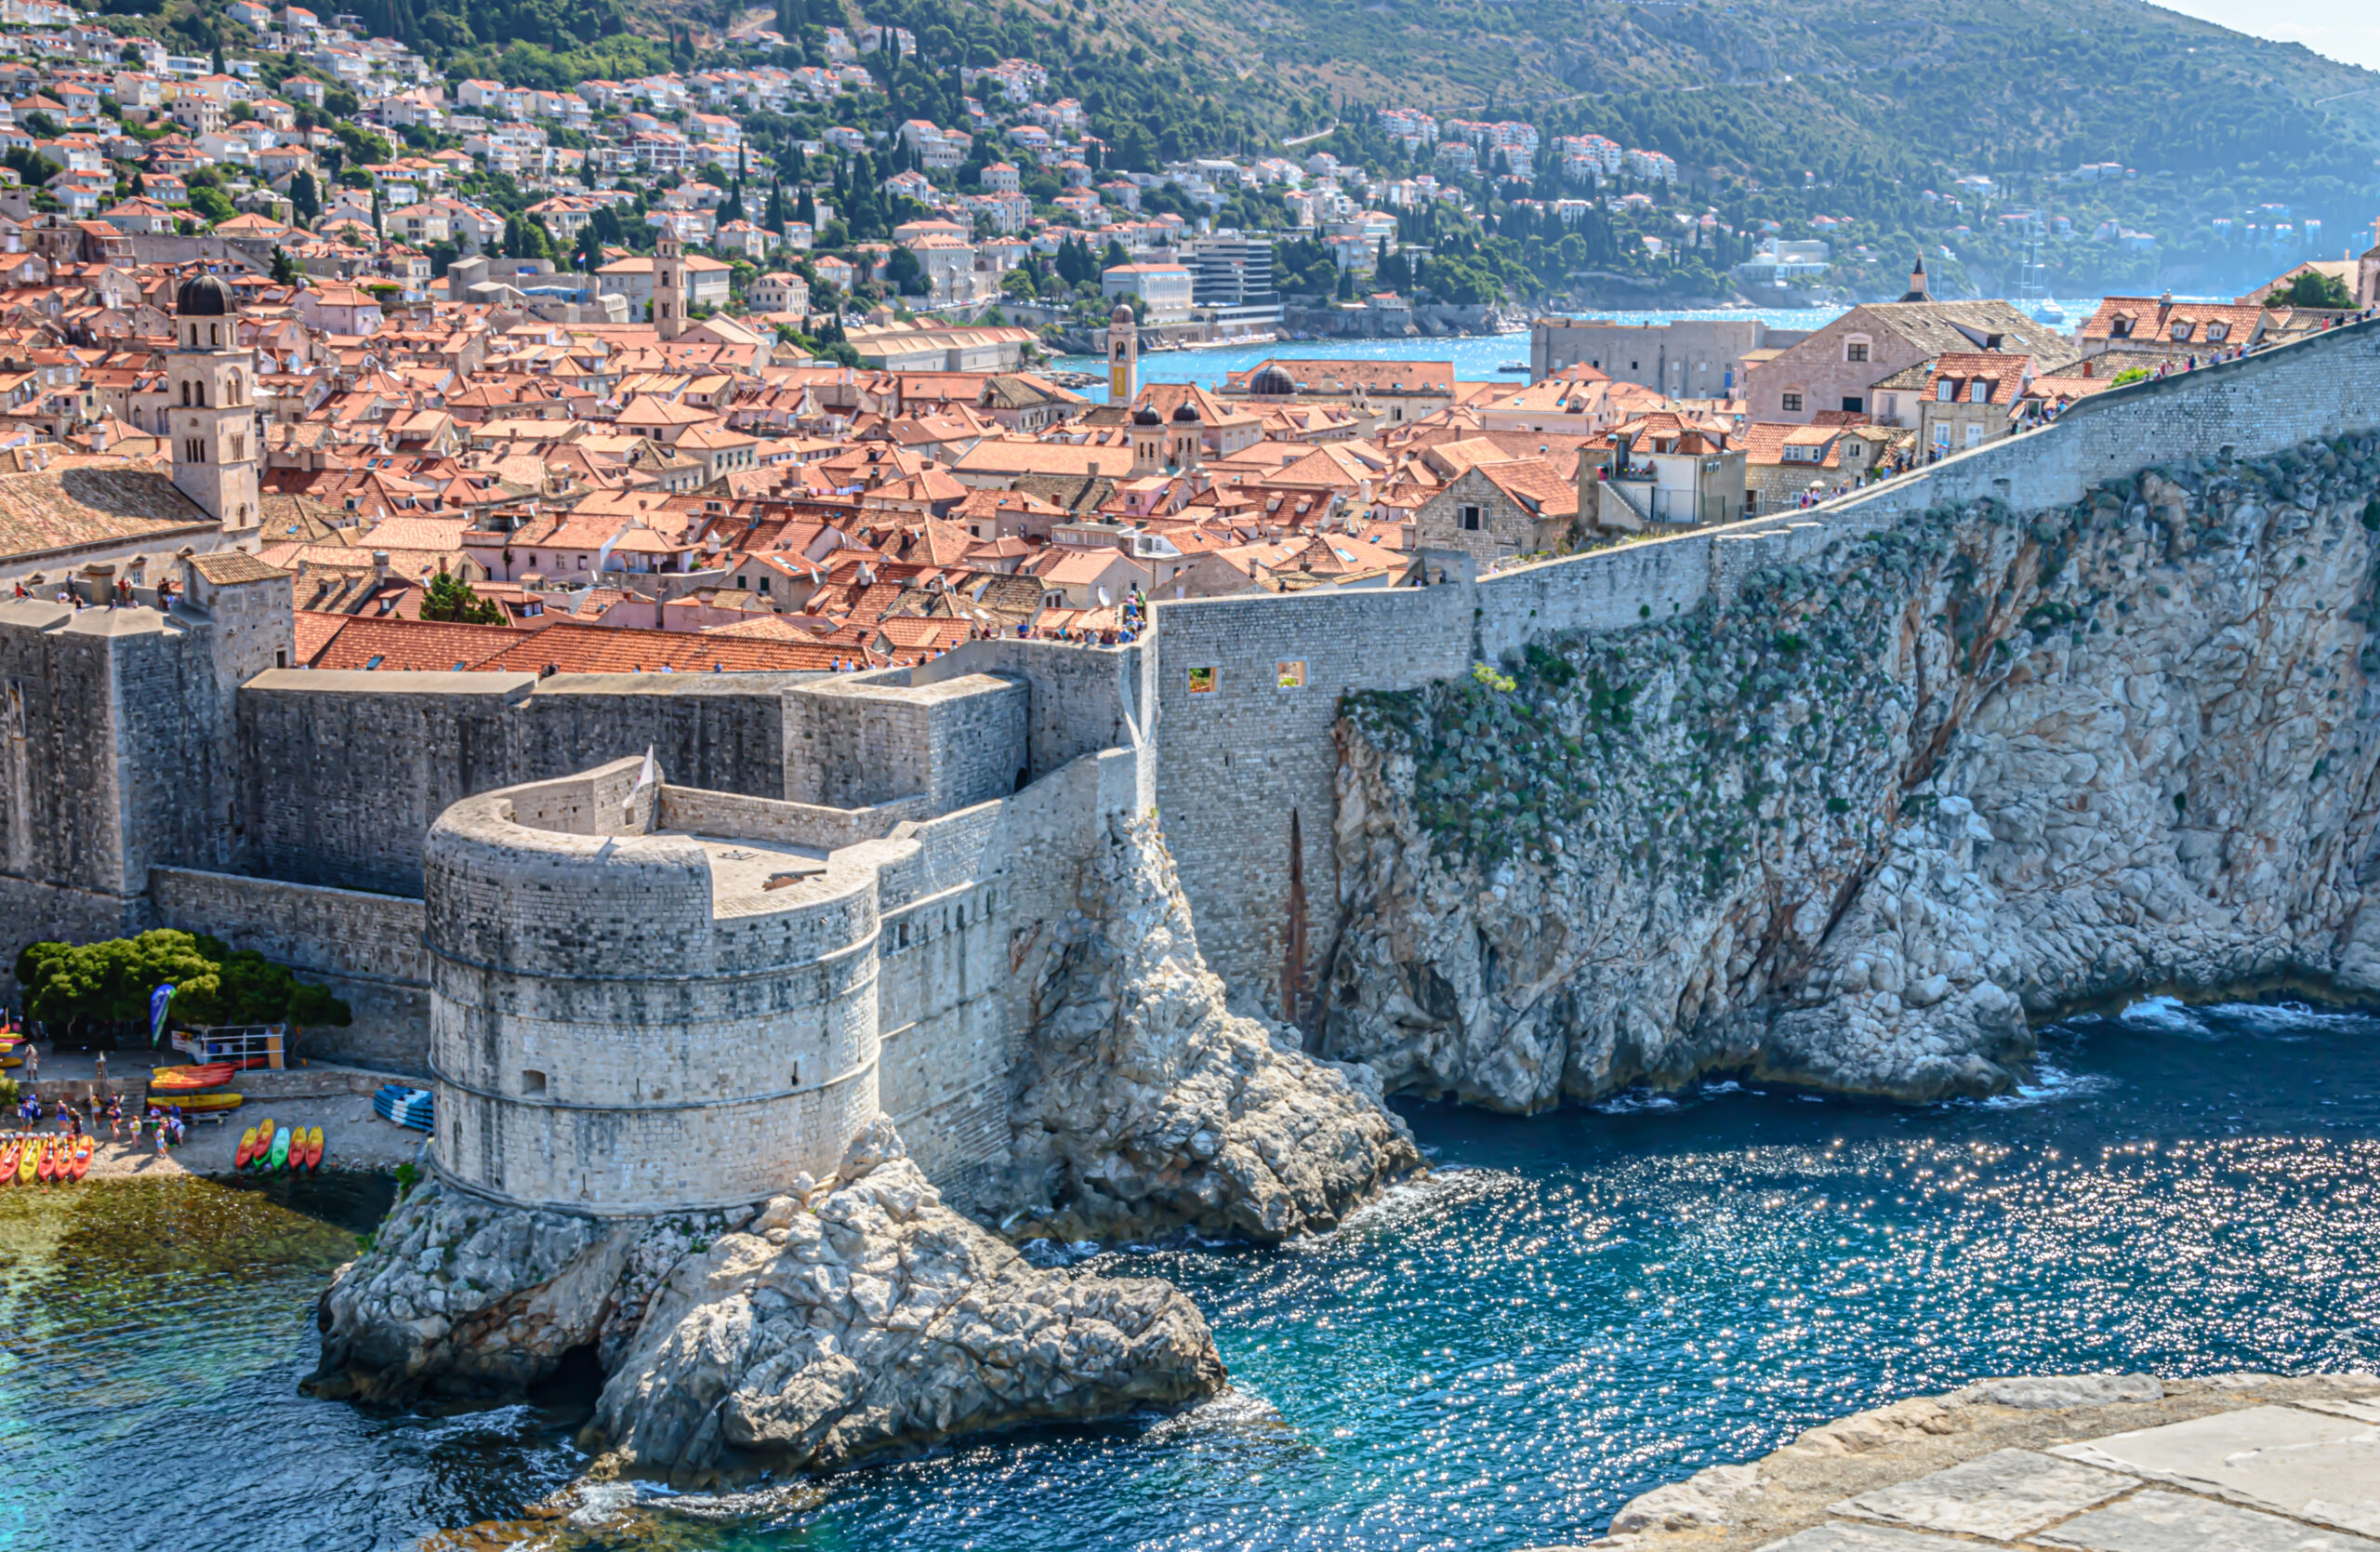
[1852,826]
[1144,1104]
[875,1321]
[839,1323]
[461,1298]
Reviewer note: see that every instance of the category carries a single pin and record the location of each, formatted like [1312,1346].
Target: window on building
[1946,390]
[1853,403]
[1975,434]
[1792,403]
[532,1080]
[1468,519]
[1979,391]
[2119,329]
[1855,350]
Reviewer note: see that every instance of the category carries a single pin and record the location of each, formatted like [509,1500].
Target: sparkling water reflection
[1575,1308]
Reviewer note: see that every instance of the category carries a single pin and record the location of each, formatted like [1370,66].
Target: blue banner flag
[157,1000]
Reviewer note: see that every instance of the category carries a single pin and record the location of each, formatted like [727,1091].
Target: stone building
[1686,358]
[1499,512]
[1838,367]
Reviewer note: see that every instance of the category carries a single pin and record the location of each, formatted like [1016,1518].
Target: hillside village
[713,446]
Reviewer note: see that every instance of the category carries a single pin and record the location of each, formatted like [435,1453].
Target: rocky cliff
[1145,1105]
[1851,825]
[840,1322]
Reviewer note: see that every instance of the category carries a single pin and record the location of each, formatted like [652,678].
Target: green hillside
[1830,119]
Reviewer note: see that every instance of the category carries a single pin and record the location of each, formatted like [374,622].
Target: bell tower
[1123,356]
[211,412]
[669,284]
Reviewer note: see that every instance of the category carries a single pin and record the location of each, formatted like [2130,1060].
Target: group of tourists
[165,1124]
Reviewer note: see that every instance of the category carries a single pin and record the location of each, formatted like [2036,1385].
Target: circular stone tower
[627,1020]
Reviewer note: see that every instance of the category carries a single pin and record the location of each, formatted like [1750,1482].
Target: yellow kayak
[191,1104]
[30,1162]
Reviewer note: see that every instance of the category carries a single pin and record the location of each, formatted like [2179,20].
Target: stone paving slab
[2159,1522]
[2310,1464]
[1840,1537]
[2368,1412]
[2005,1494]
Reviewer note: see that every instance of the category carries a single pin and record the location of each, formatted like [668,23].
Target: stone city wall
[863,740]
[792,824]
[1084,698]
[1240,757]
[365,948]
[346,771]
[965,917]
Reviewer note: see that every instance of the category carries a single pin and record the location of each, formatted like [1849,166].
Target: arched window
[215,334]
[231,394]
[185,395]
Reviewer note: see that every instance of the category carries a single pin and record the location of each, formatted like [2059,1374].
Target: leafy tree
[2311,289]
[305,197]
[210,203]
[285,269]
[103,989]
[450,598]
[904,274]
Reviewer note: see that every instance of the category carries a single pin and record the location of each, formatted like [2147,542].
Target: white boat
[1513,366]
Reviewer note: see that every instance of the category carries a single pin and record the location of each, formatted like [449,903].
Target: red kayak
[47,1170]
[82,1165]
[191,1080]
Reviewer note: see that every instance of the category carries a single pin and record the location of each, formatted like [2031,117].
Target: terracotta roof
[96,501]
[574,648]
[228,567]
[367,642]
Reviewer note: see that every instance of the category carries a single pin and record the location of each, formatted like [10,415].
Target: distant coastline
[1476,358]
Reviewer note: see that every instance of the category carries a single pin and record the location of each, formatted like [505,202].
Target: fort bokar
[765,1012]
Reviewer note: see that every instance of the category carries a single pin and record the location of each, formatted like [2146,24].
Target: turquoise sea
[1573,1308]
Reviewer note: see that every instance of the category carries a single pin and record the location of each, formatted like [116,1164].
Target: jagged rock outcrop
[1144,1103]
[837,1324]
[868,1319]
[1848,828]
[461,1297]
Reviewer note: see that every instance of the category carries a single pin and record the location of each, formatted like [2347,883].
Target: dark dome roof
[202,297]
[1145,416]
[1188,412]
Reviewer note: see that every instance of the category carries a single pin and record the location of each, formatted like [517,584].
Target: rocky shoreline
[2093,1461]
[842,1322]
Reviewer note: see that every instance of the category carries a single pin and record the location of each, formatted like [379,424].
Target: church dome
[1272,382]
[1188,414]
[1121,315]
[1145,416]
[203,296]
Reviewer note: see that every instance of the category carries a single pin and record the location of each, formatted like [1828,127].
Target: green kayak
[279,1158]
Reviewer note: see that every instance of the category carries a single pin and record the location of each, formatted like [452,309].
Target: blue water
[1576,1308]
[1475,359]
